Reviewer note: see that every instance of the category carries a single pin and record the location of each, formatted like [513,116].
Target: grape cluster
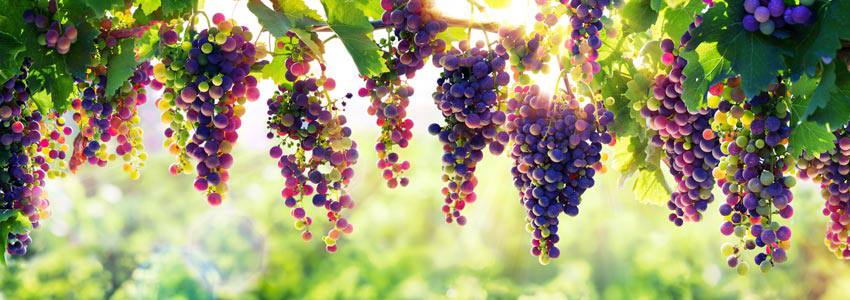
[321,166]
[832,170]
[691,146]
[557,145]
[103,120]
[527,53]
[752,174]
[416,32]
[390,97]
[771,16]
[469,94]
[584,42]
[207,82]
[52,33]
[29,144]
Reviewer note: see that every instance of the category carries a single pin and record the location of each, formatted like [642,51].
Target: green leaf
[673,20]
[371,8]
[42,101]
[60,86]
[100,7]
[354,30]
[294,16]
[820,97]
[638,15]
[82,52]
[811,137]
[800,91]
[149,6]
[497,3]
[836,113]
[10,47]
[452,34]
[705,68]
[650,187]
[657,5]
[146,45]
[822,40]
[753,55]
[120,67]
[6,214]
[176,8]
[276,70]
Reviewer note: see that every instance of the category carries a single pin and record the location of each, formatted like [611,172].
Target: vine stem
[452,22]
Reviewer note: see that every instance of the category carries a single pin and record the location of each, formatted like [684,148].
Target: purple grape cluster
[415,31]
[390,98]
[691,146]
[52,33]
[29,143]
[832,170]
[103,120]
[752,176]
[214,84]
[320,168]
[469,93]
[770,17]
[557,145]
[584,42]
[526,52]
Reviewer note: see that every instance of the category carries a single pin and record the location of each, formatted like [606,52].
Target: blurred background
[157,238]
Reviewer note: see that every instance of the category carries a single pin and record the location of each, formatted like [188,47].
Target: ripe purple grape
[469,91]
[557,144]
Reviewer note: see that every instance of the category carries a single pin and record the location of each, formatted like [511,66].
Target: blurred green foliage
[156,238]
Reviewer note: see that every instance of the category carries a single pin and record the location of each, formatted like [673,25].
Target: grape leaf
[820,97]
[836,112]
[60,86]
[175,8]
[10,47]
[149,6]
[756,57]
[705,68]
[42,101]
[811,137]
[497,3]
[673,20]
[638,162]
[638,15]
[354,30]
[276,70]
[657,5]
[821,41]
[452,34]
[147,44]
[100,7]
[800,91]
[120,66]
[293,16]
[371,8]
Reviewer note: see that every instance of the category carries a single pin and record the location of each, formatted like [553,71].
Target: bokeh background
[156,238]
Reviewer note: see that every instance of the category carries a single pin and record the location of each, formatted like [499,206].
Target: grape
[832,171]
[30,143]
[557,144]
[302,117]
[752,175]
[691,147]
[56,36]
[415,33]
[207,83]
[770,17]
[584,42]
[103,120]
[469,92]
